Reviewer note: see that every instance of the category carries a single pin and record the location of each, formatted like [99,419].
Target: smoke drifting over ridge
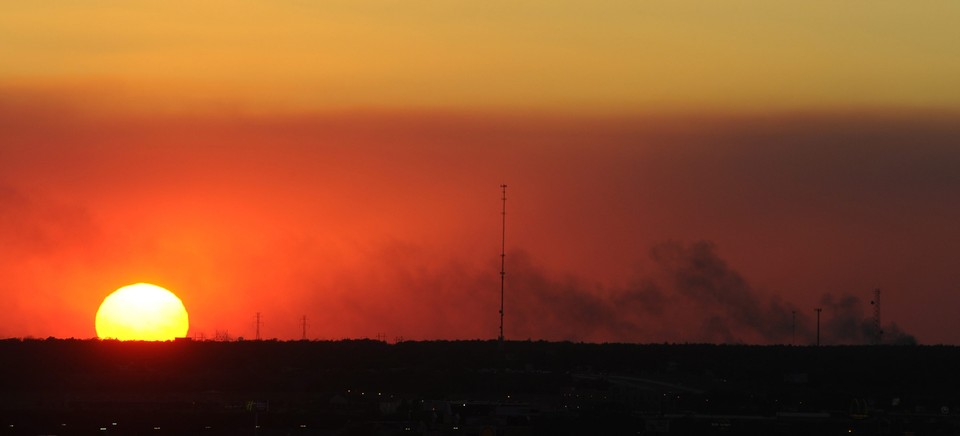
[689,294]
[733,311]
[846,325]
[689,279]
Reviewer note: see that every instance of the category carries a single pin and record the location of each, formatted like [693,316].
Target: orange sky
[605,56]
[687,171]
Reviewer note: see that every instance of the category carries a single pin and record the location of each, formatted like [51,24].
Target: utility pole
[503,253]
[258,326]
[818,325]
[303,322]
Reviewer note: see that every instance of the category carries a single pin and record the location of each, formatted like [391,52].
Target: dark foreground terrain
[365,387]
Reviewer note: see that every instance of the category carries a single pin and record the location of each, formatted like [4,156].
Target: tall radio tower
[503,252]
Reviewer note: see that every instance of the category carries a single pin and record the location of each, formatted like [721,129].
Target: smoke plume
[687,293]
[692,295]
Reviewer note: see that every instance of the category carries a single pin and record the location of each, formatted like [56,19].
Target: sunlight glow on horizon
[142,312]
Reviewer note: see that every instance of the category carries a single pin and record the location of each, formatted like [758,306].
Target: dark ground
[79,387]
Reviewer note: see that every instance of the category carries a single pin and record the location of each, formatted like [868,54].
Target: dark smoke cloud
[691,290]
[689,295]
[731,305]
[565,308]
[844,323]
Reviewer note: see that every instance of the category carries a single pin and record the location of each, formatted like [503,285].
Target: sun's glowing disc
[142,312]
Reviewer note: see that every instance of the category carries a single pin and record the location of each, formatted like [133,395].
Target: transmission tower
[503,252]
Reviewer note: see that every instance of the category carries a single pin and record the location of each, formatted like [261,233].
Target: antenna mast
[503,252]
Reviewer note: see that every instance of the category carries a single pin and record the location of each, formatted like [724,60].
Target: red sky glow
[677,173]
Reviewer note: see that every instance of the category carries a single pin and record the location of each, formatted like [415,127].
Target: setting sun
[142,312]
